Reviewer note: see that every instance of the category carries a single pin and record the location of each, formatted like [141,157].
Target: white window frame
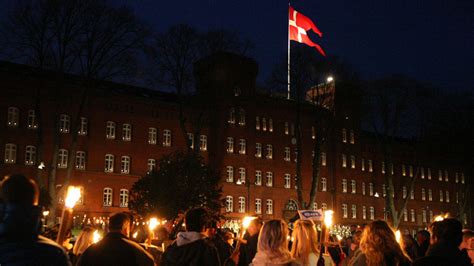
[344,160]
[269,179]
[269,207]
[230,145]
[241,205]
[229,174]
[257,123]
[110,130]
[441,198]
[287,128]
[242,146]
[353,162]
[430,195]
[344,211]
[423,194]
[412,216]
[64,123]
[364,212]
[242,176]
[231,118]
[151,164]
[362,167]
[63,156]
[371,189]
[323,184]
[447,199]
[287,157]
[80,160]
[109,163]
[258,177]
[167,138]
[270,125]
[123,198]
[344,135]
[323,159]
[258,206]
[203,143]
[353,186]
[125,164]
[30,155]
[127,132]
[229,204]
[107,197]
[351,137]
[344,185]
[13,119]
[363,188]
[371,213]
[287,181]
[354,211]
[242,117]
[83,126]
[371,168]
[152,135]
[258,150]
[405,215]
[264,124]
[269,149]
[31,121]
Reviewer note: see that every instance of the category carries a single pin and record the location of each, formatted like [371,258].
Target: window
[392,172]
[422,172]
[404,192]
[410,170]
[230,145]
[344,210]
[153,135]
[440,175]
[264,124]
[258,150]
[371,169]
[166,138]
[371,213]
[125,165]
[287,128]
[323,184]
[457,197]
[127,132]
[110,130]
[124,198]
[203,143]
[258,206]
[151,164]
[446,176]
[344,185]
[241,204]
[81,160]
[13,116]
[363,188]
[83,126]
[423,194]
[62,158]
[412,215]
[412,194]
[353,186]
[423,216]
[344,161]
[269,182]
[323,159]
[313,133]
[384,191]
[429,173]
[447,196]
[31,122]
[107,197]
[404,170]
[324,206]
[456,177]
[383,167]
[362,165]
[353,162]
[64,123]
[364,213]
[430,195]
[462,178]
[287,157]
[441,196]
[229,174]
[269,209]
[315,206]
[405,215]
[354,211]
[270,125]
[231,119]
[30,155]
[431,216]
[242,146]
[269,151]
[229,204]
[257,123]
[344,135]
[351,137]
[242,117]
[109,163]
[371,189]
[258,178]
[287,178]
[242,174]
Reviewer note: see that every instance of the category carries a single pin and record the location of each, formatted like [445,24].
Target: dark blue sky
[430,40]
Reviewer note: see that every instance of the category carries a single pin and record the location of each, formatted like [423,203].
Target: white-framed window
[258,150]
[354,211]
[313,132]
[123,198]
[344,185]
[371,213]
[404,170]
[231,118]
[110,130]
[242,176]
[364,212]
[423,194]
[315,206]
[81,198]
[107,197]
[423,216]
[422,172]
[287,128]
[383,167]
[264,124]
[410,170]
[191,140]
[64,123]
[344,210]
[62,158]
[456,177]
[353,186]
[241,204]
[363,188]
[371,189]
[270,125]
[430,195]
[230,145]
[447,196]
[384,190]
[30,155]
[125,165]
[324,206]
[323,159]
[371,168]
[457,197]
[440,175]
[287,157]
[258,206]
[344,161]
[431,215]
[362,165]
[242,117]
[31,122]
[344,135]
[324,183]
[80,160]
[109,163]
[405,215]
[127,132]
[151,164]
[412,215]
[269,209]
[153,135]
[462,178]
[446,176]
[269,181]
[429,173]
[257,123]
[229,204]
[13,116]
[353,162]
[83,126]
[166,138]
[258,177]
[287,178]
[351,137]
[203,143]
[269,151]
[404,191]
[441,199]
[229,174]
[242,146]
[412,194]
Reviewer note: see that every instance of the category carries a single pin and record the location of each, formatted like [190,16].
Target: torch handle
[64,226]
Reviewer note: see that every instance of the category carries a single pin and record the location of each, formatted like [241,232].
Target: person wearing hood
[192,247]
[20,224]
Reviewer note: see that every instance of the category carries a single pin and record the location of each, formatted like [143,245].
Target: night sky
[430,40]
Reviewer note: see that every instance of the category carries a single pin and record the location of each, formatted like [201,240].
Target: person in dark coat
[446,235]
[20,224]
[192,247]
[249,248]
[115,248]
[423,241]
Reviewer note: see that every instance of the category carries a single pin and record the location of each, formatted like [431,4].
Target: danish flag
[299,25]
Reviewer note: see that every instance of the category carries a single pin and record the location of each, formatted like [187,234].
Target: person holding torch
[248,247]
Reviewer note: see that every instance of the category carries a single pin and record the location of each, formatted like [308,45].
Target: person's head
[18,189]
[211,229]
[305,240]
[120,223]
[378,240]
[447,231]
[356,237]
[467,235]
[273,238]
[254,226]
[229,237]
[422,236]
[196,219]
[84,240]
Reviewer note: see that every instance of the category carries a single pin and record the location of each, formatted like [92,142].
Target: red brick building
[248,137]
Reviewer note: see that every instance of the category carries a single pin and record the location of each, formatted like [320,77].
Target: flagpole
[288,94]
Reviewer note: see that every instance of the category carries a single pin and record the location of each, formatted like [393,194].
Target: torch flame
[398,236]
[328,218]
[135,234]
[73,195]
[439,218]
[246,221]
[153,223]
[96,237]
[339,238]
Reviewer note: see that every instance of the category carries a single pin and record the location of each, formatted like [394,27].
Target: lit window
[456,177]
[351,137]
[404,192]
[412,215]
[371,169]
[203,143]
[258,150]
[191,140]
[270,125]
[371,189]
[344,161]
[151,164]
[412,194]
[410,170]
[62,158]
[422,172]
[423,194]
[269,209]
[462,178]
[109,163]
[383,167]
[364,213]
[81,198]
[152,135]
[440,175]
[423,216]
[354,211]
[242,146]
[125,165]
[13,117]
[231,119]
[264,124]
[127,132]
[405,215]
[344,135]
[229,204]
[363,188]
[64,123]
[30,155]
[384,191]
[429,173]
[441,196]
[446,176]
[344,185]
[257,123]
[457,197]
[372,213]
[269,182]
[287,154]
[110,130]
[229,174]
[242,117]
[430,195]
[404,171]
[324,206]
[287,178]
[242,176]
[124,198]
[323,159]
[241,204]
[353,162]
[353,186]
[287,128]
[81,160]
[431,216]
[230,145]
[344,210]
[107,197]
[315,206]
[313,133]
[83,126]
[447,196]
[166,138]
[269,151]
[324,184]
[258,177]
[362,166]
[31,122]
[258,206]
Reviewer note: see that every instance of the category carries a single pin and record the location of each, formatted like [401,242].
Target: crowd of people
[202,242]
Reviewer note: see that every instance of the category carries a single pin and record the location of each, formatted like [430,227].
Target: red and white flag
[299,25]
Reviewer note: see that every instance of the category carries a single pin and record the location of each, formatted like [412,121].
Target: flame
[439,218]
[398,236]
[135,234]
[73,195]
[153,223]
[246,221]
[339,238]
[328,218]
[96,237]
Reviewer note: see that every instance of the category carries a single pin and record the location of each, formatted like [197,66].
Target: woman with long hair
[84,240]
[379,247]
[305,244]
[272,248]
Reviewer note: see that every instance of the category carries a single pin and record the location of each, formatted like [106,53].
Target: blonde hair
[273,239]
[84,240]
[305,241]
[380,246]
